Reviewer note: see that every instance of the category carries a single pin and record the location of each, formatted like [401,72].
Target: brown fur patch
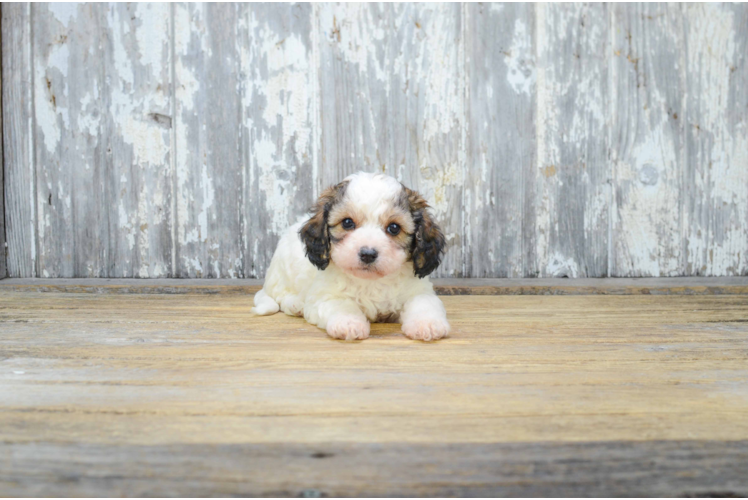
[315,232]
[428,243]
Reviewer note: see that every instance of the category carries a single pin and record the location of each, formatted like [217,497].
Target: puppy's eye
[393,229]
[348,223]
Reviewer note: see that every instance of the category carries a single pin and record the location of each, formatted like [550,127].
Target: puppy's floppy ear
[314,233]
[428,240]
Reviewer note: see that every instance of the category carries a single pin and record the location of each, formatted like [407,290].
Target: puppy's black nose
[367,255]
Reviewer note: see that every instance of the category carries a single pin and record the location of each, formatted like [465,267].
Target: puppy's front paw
[426,329]
[348,327]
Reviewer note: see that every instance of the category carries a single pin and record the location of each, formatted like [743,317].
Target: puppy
[364,255]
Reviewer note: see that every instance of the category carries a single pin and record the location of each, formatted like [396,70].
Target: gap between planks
[444,286]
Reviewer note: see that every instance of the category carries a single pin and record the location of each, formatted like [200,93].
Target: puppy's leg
[342,319]
[292,305]
[264,304]
[424,318]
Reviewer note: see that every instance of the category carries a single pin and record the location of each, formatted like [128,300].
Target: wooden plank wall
[3,251]
[152,140]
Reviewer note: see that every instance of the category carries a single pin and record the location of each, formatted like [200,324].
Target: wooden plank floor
[110,394]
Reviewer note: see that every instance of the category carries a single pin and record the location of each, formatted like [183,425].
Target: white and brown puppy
[363,256]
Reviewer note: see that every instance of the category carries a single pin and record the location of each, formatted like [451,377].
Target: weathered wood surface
[442,286]
[208,141]
[18,156]
[689,468]
[192,394]
[716,139]
[572,192]
[552,140]
[137,126]
[647,143]
[69,87]
[3,250]
[499,212]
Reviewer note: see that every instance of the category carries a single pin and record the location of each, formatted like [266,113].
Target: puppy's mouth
[367,271]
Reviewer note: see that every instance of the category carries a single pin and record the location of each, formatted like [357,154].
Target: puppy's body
[341,277]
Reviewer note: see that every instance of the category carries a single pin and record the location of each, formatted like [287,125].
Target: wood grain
[716,140]
[18,164]
[71,190]
[500,239]
[689,468]
[572,172]
[577,394]
[279,102]
[209,170]
[136,122]
[3,246]
[647,140]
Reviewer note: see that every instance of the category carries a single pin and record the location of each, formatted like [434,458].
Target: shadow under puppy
[363,256]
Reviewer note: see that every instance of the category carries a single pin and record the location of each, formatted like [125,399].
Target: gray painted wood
[136,124]
[500,237]
[209,173]
[572,192]
[715,215]
[18,164]
[278,81]
[395,104]
[3,248]
[647,142]
[552,140]
[68,84]
[102,104]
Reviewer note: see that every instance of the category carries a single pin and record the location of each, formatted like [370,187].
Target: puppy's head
[369,225]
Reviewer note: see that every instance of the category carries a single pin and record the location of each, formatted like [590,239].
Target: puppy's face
[369,225]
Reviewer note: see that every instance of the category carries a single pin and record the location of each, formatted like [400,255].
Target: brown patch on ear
[428,240]
[315,233]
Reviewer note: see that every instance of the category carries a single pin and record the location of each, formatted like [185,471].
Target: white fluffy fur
[343,299]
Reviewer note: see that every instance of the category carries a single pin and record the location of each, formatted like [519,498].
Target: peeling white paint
[647,222]
[559,266]
[208,197]
[521,60]
[154,21]
[125,225]
[276,190]
[406,60]
[63,12]
[721,148]
[543,154]
[282,76]
[49,94]
[352,28]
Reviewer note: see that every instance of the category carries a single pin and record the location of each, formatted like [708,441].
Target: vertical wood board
[209,189]
[136,127]
[500,239]
[71,197]
[3,247]
[647,139]
[571,176]
[278,78]
[715,178]
[18,137]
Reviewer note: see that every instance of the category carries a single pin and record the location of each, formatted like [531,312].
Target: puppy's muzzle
[367,255]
